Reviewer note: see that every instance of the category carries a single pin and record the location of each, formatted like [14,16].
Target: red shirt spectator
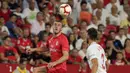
[24,44]
[74,58]
[5,14]
[9,52]
[50,8]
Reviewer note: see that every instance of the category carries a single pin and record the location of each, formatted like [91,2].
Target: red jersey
[56,45]
[41,44]
[77,59]
[9,52]
[50,8]
[24,43]
[5,15]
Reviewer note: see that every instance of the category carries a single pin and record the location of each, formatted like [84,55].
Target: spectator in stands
[113,2]
[83,25]
[124,12]
[83,35]
[75,30]
[72,41]
[18,12]
[94,23]
[24,42]
[12,5]
[126,51]
[8,54]
[30,12]
[84,14]
[25,3]
[101,39]
[110,49]
[102,12]
[74,57]
[3,29]
[13,29]
[114,17]
[38,24]
[121,36]
[119,59]
[82,52]
[117,43]
[70,22]
[5,11]
[21,67]
[126,32]
[101,28]
[47,30]
[46,14]
[125,23]
[51,7]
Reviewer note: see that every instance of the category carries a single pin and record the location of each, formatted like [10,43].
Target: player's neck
[91,41]
[55,35]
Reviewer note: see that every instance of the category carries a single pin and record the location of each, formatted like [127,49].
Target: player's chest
[54,45]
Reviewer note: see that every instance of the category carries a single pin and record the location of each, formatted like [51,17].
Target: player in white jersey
[95,53]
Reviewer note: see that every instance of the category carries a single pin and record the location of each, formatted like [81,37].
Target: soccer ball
[65,9]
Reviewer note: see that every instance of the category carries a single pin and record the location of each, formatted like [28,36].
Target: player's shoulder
[93,46]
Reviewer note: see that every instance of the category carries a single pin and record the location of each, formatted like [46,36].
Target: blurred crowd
[26,24]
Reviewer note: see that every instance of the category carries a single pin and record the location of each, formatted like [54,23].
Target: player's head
[92,34]
[57,26]
[22,63]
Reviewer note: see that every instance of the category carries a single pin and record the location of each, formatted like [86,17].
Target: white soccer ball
[65,9]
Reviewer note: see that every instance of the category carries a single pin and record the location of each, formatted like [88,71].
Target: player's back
[96,51]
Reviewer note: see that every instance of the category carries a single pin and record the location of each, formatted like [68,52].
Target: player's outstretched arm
[94,65]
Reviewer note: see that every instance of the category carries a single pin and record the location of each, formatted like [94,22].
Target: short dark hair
[22,60]
[11,15]
[47,24]
[4,38]
[92,33]
[83,2]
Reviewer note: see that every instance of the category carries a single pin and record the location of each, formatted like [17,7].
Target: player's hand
[51,65]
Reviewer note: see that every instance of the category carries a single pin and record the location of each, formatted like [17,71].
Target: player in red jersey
[59,49]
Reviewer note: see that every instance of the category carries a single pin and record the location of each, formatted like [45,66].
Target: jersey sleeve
[91,53]
[64,44]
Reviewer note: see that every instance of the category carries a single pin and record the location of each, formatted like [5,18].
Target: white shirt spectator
[81,54]
[5,29]
[109,6]
[92,26]
[20,14]
[79,43]
[66,30]
[123,15]
[96,51]
[122,39]
[78,7]
[31,15]
[26,4]
[36,27]
[114,20]
[105,14]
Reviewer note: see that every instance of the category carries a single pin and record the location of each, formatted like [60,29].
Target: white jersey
[96,51]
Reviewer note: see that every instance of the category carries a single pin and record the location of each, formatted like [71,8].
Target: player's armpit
[94,65]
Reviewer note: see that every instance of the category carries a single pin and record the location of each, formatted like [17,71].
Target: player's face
[57,26]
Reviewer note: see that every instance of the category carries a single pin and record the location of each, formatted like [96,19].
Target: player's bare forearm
[107,65]
[94,66]
[63,58]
